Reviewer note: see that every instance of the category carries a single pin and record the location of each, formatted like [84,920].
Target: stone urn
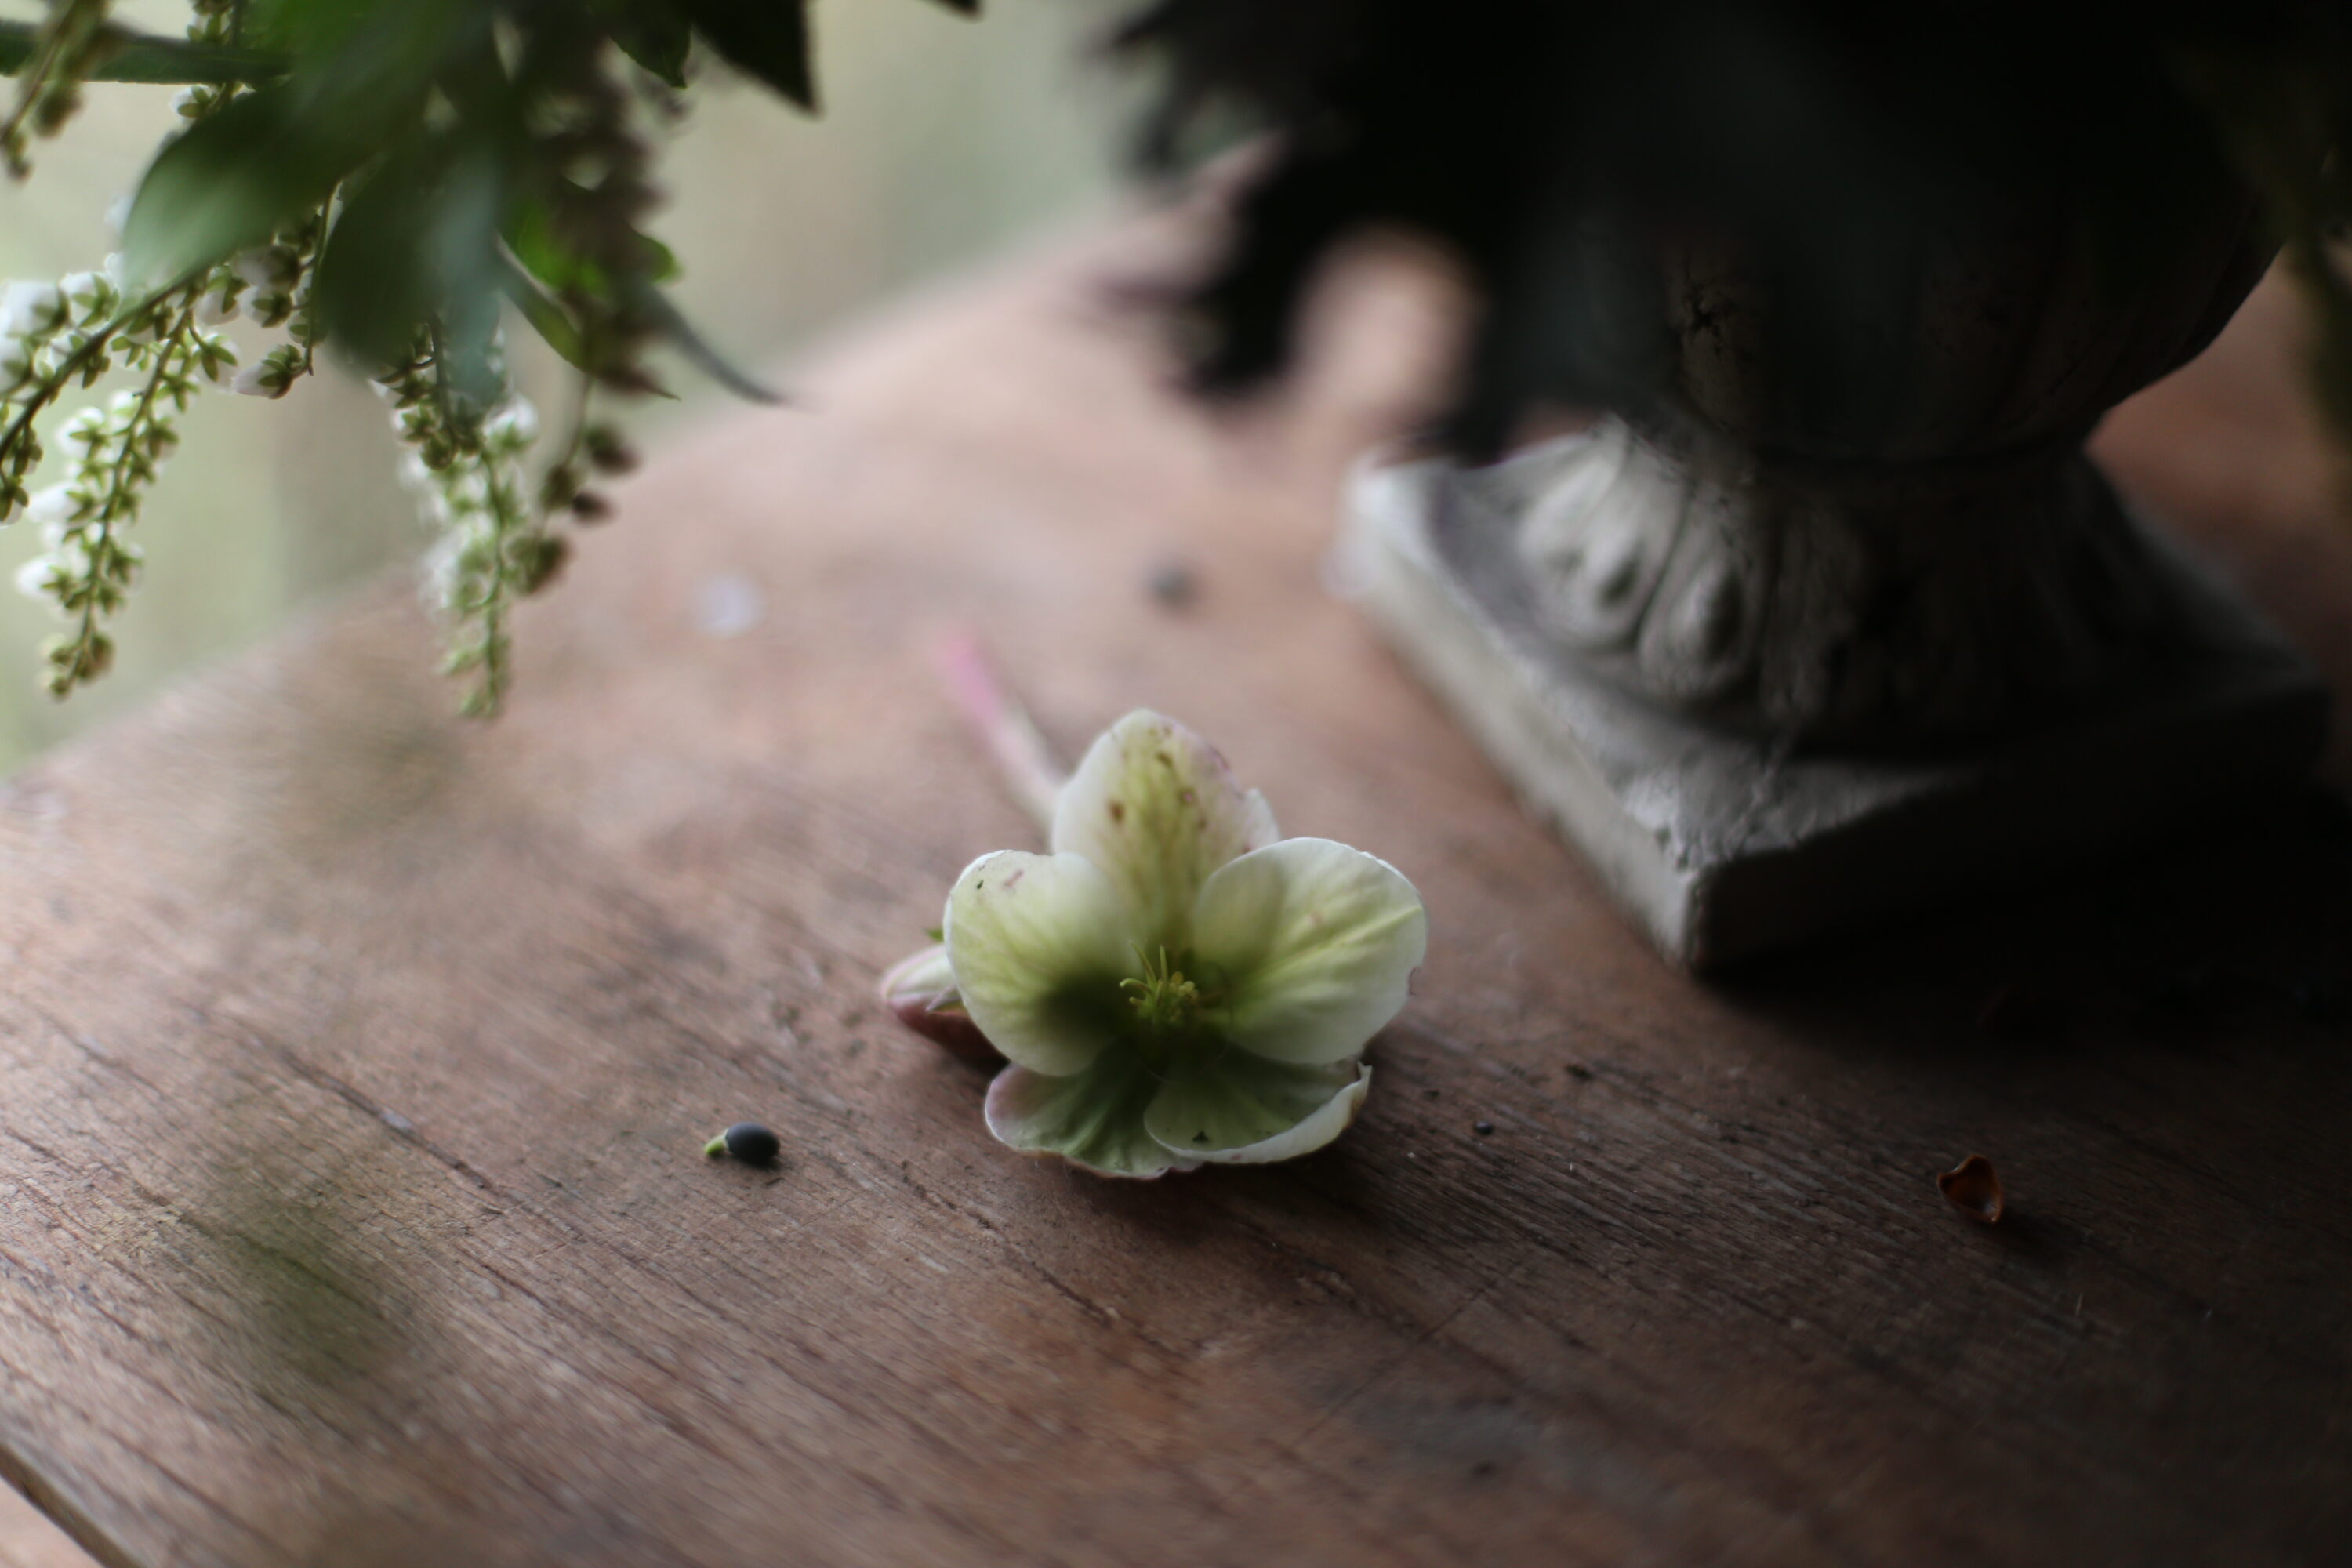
[1846,620]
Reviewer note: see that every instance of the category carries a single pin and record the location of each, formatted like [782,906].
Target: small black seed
[753,1143]
[1482,1128]
[1173,583]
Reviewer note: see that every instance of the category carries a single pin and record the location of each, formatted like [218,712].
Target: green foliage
[457,143]
[657,41]
[495,547]
[125,55]
[75,331]
[767,38]
[386,178]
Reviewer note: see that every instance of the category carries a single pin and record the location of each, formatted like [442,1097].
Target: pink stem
[1022,755]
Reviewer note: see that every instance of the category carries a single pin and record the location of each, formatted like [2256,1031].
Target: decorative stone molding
[1861,603]
[1722,844]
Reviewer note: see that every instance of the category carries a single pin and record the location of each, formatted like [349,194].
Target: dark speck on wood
[1172,583]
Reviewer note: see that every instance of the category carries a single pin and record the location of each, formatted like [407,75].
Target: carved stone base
[1723,844]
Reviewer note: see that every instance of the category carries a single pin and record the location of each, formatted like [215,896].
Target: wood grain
[355,1064]
[29,1540]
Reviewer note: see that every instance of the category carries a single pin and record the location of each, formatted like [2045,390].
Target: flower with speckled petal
[1175,983]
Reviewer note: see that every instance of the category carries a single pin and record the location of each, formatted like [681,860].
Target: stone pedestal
[1723,837]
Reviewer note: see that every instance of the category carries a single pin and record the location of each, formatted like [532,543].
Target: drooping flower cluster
[1175,983]
[271,286]
[34,318]
[493,547]
[56,337]
[50,336]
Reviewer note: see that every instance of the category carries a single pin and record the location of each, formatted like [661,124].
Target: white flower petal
[1243,1110]
[1039,944]
[1313,945]
[1157,809]
[57,503]
[924,978]
[31,309]
[1092,1119]
[920,992]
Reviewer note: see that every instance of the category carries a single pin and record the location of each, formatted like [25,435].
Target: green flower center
[1162,998]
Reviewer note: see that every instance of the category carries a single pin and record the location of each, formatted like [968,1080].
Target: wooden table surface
[355,1063]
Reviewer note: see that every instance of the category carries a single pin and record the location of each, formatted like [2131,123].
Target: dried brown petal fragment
[1974,1188]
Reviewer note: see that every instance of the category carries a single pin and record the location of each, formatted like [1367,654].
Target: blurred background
[943,140]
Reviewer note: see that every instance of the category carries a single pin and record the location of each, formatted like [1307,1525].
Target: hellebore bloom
[1176,983]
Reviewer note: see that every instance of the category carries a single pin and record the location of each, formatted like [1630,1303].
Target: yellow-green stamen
[1162,997]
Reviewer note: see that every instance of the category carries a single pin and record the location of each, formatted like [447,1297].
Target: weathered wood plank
[355,1064]
[29,1540]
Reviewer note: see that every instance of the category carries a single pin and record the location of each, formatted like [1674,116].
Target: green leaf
[533,239]
[417,243]
[662,267]
[125,55]
[466,335]
[312,29]
[17,42]
[658,40]
[372,292]
[656,309]
[361,73]
[462,257]
[558,330]
[230,184]
[531,236]
[767,38]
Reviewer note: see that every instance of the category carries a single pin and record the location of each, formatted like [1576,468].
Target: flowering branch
[494,548]
[388,176]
